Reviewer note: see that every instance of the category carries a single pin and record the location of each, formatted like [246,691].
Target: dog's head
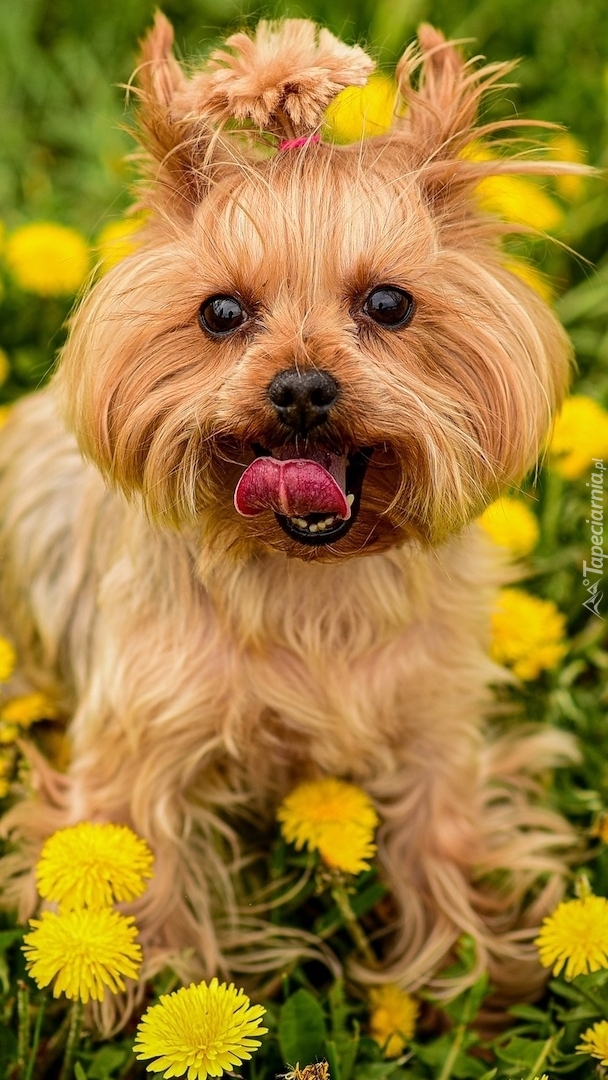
[315,348]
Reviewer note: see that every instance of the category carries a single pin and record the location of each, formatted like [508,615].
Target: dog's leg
[467,850]
[154,784]
[108,618]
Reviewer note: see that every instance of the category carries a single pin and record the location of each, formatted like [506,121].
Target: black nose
[303,399]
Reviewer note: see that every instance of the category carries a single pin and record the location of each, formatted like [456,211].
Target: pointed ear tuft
[174,165]
[159,73]
[282,78]
[443,108]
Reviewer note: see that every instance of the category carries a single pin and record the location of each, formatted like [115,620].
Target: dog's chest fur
[259,671]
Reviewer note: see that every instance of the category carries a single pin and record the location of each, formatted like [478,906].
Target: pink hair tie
[291,144]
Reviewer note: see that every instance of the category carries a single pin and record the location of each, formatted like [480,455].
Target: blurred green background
[61,63]
[64,143]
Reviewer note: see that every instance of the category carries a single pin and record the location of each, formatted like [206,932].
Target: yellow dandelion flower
[519,200]
[580,434]
[47,259]
[5,367]
[359,112]
[564,147]
[8,659]
[199,1030]
[84,951]
[576,934]
[334,818]
[595,1042]
[4,787]
[117,240]
[27,709]
[513,198]
[527,633]
[532,277]
[477,151]
[93,865]
[392,1018]
[511,524]
[8,734]
[4,414]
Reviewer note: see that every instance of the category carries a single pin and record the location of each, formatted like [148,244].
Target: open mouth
[315,498]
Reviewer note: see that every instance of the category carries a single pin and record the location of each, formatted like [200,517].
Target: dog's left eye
[222,314]
[389,306]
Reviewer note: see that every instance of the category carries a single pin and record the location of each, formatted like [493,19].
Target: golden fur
[208,662]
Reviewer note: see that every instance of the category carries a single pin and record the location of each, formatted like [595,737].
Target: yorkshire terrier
[236,536]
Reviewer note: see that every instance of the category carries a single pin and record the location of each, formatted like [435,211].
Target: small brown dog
[235,530]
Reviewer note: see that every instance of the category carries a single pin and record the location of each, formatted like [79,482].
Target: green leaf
[566,990]
[344,1054]
[348,1053]
[5,978]
[302,1031]
[276,862]
[584,1011]
[468,1068]
[435,1053]
[338,1008]
[370,1051]
[8,1046]
[592,981]
[464,1008]
[346,1042]
[9,937]
[520,1054]
[106,1061]
[528,1012]
[380,1070]
[360,903]
[331,1053]
[79,1072]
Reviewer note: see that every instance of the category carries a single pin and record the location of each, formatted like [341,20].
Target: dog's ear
[442,109]
[441,121]
[277,81]
[176,146]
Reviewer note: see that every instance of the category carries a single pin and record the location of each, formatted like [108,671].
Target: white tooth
[350,499]
[321,526]
[328,521]
[313,528]
[300,522]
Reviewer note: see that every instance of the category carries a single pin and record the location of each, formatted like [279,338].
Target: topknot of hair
[281,78]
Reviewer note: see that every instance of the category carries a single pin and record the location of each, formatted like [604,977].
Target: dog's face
[319,353]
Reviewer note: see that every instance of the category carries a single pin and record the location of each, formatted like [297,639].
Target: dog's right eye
[389,306]
[222,314]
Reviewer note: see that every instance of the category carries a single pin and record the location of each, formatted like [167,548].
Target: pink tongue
[295,487]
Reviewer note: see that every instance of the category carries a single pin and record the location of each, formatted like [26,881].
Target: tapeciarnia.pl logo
[593,571]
